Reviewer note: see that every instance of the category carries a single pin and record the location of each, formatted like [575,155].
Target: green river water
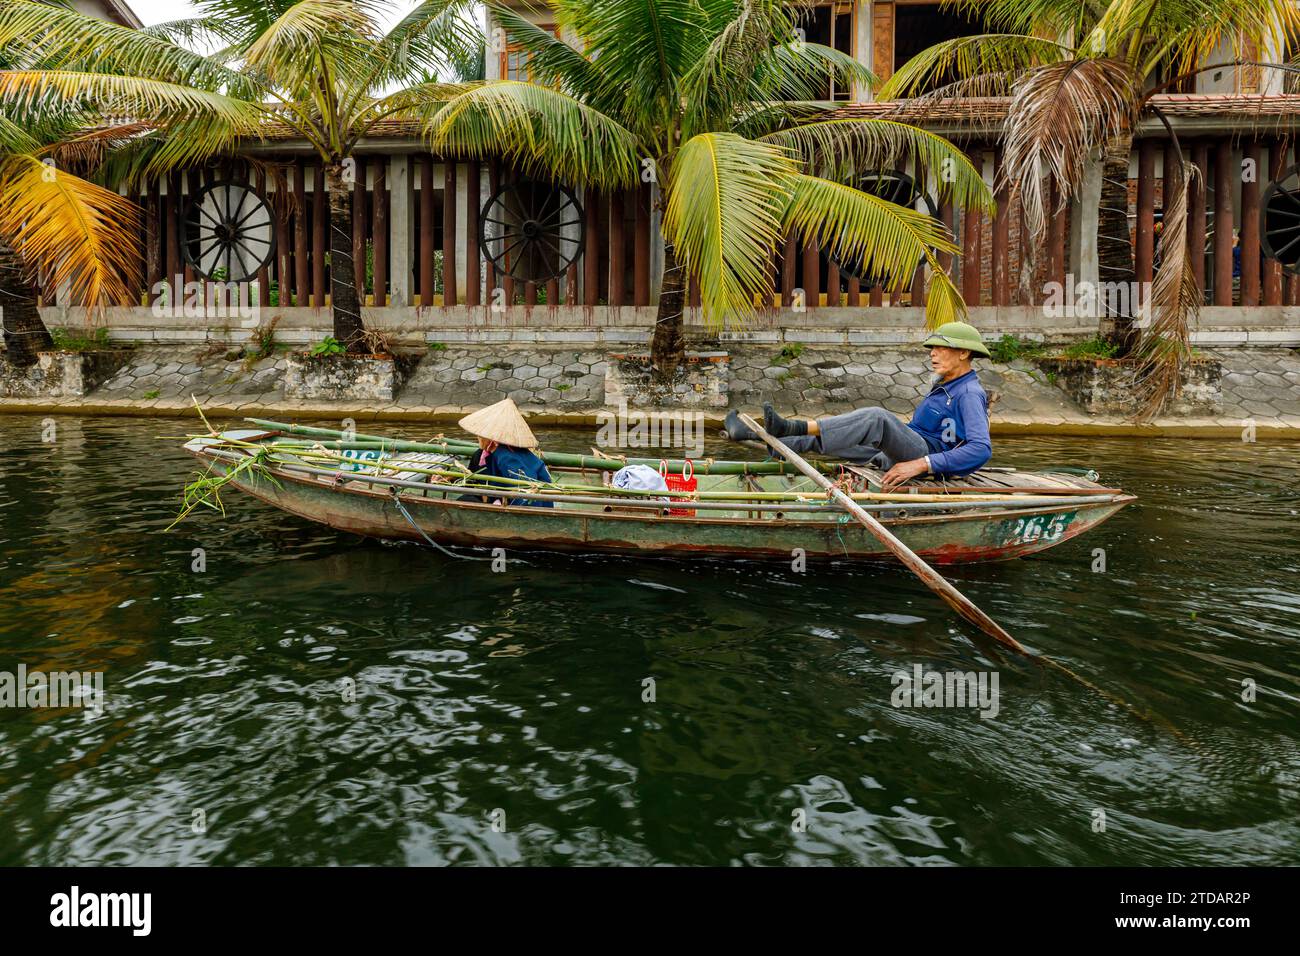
[500,717]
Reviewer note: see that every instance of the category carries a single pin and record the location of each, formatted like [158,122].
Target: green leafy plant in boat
[205,490]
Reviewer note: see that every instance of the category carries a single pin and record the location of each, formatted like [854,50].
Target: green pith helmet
[958,335]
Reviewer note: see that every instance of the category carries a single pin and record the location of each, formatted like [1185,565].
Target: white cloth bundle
[639,478]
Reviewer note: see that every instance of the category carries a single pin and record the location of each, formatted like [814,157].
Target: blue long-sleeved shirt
[510,462]
[954,421]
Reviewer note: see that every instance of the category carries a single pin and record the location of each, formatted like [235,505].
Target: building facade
[420,222]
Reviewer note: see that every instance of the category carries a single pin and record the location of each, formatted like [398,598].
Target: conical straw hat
[502,423]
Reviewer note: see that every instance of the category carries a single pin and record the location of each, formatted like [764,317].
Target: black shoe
[779,427]
[737,430]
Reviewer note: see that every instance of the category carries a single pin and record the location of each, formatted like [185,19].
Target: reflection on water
[230,695]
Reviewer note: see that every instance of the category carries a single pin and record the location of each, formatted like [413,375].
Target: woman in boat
[505,448]
[947,436]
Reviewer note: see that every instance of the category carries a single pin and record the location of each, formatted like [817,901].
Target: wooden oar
[936,582]
[932,578]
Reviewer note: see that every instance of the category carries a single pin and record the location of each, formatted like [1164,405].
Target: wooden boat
[393,490]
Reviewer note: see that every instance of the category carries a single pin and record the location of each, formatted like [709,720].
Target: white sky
[159,11]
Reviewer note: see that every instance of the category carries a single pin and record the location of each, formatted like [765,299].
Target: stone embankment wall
[1237,384]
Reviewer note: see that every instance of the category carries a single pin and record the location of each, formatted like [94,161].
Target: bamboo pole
[559,459]
[947,501]
[611,497]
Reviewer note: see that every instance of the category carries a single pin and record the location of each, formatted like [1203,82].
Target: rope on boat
[407,515]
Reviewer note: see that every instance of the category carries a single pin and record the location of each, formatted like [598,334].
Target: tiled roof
[975,112]
[986,109]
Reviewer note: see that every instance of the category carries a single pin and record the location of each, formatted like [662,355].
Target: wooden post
[855,292]
[283,243]
[603,248]
[172,207]
[1027,295]
[379,231]
[1144,246]
[263,273]
[489,269]
[301,261]
[832,283]
[1291,284]
[590,247]
[193,183]
[211,297]
[359,229]
[1056,240]
[641,248]
[617,248]
[811,273]
[1001,236]
[319,236]
[1170,183]
[1250,290]
[449,277]
[1223,183]
[472,254]
[788,255]
[971,245]
[153,240]
[425,245]
[1272,268]
[947,218]
[1196,219]
[919,276]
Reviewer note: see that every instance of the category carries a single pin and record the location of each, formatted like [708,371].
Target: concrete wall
[1270,326]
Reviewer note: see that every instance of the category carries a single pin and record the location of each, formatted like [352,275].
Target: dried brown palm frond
[1164,348]
[1061,114]
[85,152]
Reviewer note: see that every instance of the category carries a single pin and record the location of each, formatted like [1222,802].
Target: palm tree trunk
[345,304]
[1115,248]
[24,332]
[667,344]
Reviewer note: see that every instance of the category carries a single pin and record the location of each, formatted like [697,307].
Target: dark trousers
[871,435]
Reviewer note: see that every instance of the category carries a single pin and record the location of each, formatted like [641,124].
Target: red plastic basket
[679,482]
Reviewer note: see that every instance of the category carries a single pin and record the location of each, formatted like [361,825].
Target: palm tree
[1080,76]
[323,69]
[722,104]
[57,228]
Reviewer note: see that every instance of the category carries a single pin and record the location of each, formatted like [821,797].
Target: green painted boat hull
[997,534]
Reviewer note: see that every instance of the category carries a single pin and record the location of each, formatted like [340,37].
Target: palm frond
[723,217]
[724,74]
[844,149]
[545,131]
[69,229]
[887,239]
[431,36]
[1165,348]
[313,44]
[800,71]
[551,61]
[1060,116]
[57,35]
[984,54]
[643,48]
[199,123]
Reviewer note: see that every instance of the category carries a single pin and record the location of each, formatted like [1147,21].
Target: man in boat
[948,435]
[505,448]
